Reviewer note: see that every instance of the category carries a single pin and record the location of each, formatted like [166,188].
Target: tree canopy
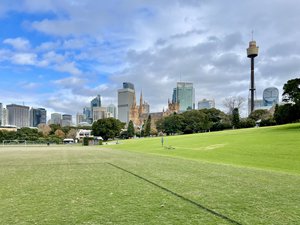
[235,118]
[291,91]
[260,114]
[130,129]
[107,128]
[194,121]
[148,127]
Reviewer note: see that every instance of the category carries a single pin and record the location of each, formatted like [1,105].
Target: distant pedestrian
[162,141]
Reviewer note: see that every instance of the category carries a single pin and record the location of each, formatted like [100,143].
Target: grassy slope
[275,148]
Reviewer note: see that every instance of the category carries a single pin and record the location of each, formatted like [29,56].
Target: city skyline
[57,56]
[127,108]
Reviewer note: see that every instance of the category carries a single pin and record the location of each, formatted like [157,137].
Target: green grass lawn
[274,148]
[233,177]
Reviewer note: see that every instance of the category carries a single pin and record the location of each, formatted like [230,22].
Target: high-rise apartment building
[126,97]
[18,115]
[96,102]
[184,94]
[206,104]
[37,116]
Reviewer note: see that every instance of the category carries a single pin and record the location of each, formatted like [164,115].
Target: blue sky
[59,54]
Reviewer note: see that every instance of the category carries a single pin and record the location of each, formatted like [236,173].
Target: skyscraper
[4,117]
[270,96]
[55,118]
[112,109]
[87,115]
[66,120]
[1,114]
[184,94]
[37,116]
[79,118]
[100,113]
[96,102]
[126,97]
[174,96]
[18,115]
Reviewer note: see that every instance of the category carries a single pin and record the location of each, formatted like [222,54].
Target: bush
[267,122]
[100,142]
[220,126]
[247,123]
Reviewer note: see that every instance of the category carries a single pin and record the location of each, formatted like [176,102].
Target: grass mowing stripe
[179,196]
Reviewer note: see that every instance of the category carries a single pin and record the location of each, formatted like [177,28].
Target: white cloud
[24,58]
[71,82]
[18,43]
[29,85]
[68,67]
[48,46]
[154,43]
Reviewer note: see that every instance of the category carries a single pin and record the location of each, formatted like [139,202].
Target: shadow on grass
[179,196]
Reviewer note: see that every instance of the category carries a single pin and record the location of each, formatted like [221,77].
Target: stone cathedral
[139,113]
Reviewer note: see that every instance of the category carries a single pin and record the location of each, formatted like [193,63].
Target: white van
[68,141]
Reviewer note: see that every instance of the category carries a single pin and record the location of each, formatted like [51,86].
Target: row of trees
[194,121]
[44,133]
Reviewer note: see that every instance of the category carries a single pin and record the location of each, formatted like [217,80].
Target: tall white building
[4,117]
[1,114]
[18,115]
[126,97]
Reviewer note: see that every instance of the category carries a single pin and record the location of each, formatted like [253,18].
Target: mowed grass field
[249,176]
